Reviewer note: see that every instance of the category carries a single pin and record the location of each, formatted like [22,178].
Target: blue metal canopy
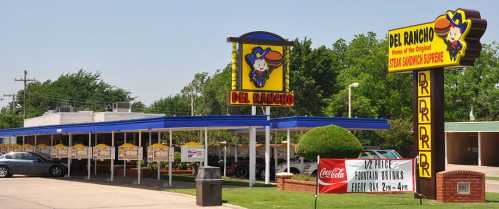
[297,122]
[141,124]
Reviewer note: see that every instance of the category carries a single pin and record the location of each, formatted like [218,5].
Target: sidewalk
[49,193]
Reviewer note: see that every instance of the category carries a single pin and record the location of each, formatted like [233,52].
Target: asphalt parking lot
[44,193]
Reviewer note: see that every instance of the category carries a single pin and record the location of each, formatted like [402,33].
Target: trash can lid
[208,172]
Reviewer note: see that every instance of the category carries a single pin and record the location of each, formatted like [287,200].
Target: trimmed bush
[330,142]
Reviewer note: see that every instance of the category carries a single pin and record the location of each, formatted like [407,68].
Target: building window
[463,187]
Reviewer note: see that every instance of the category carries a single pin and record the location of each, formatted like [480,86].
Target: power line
[25,80]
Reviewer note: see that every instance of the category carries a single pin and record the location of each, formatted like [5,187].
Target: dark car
[241,169]
[29,163]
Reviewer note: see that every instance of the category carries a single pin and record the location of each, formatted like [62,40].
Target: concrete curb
[193,197]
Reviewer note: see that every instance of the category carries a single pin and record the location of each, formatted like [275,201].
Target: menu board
[80,151]
[14,148]
[43,149]
[59,151]
[28,148]
[159,152]
[192,152]
[3,148]
[103,152]
[129,152]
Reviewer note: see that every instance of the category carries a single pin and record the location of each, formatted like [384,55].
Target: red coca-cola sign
[337,173]
[332,175]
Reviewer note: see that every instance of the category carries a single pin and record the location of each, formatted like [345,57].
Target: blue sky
[153,48]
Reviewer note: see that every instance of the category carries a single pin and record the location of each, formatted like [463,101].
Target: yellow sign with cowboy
[441,43]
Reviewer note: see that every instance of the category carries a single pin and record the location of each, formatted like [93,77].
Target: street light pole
[355,85]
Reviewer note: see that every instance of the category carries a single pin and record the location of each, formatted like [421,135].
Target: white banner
[366,175]
[189,154]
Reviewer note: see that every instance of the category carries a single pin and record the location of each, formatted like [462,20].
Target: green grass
[270,197]
[495,178]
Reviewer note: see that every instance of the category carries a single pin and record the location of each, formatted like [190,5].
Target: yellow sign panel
[424,84]
[424,164]
[424,110]
[262,67]
[424,137]
[440,43]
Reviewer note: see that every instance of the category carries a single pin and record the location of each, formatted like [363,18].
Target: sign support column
[267,147]
[429,126]
[452,40]
[252,151]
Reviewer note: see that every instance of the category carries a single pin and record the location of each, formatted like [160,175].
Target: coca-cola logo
[336,173]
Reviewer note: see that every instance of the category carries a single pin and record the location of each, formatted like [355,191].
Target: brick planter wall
[285,183]
[447,186]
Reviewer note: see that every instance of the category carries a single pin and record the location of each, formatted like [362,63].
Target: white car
[298,166]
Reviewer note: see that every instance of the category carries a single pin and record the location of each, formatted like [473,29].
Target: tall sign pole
[25,79]
[260,77]
[451,40]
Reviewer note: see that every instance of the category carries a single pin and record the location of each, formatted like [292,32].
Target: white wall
[84,117]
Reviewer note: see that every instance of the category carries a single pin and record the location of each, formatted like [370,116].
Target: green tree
[177,105]
[313,77]
[80,91]
[475,87]
[379,94]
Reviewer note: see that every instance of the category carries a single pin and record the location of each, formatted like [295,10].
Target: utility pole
[13,104]
[25,80]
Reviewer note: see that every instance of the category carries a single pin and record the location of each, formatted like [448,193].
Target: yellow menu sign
[424,124]
[441,43]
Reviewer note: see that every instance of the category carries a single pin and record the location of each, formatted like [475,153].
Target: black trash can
[209,186]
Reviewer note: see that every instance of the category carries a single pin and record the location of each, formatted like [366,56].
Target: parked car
[380,154]
[29,163]
[297,167]
[310,167]
[241,169]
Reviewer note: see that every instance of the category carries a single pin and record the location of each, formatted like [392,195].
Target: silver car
[29,163]
[379,154]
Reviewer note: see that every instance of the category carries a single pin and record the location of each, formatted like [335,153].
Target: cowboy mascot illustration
[451,29]
[262,63]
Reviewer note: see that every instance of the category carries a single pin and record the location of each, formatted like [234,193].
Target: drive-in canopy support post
[140,159]
[170,161]
[205,146]
[288,148]
[95,159]
[70,138]
[112,156]
[124,161]
[88,154]
[158,162]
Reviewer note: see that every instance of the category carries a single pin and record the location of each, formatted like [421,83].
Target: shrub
[329,141]
[302,177]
